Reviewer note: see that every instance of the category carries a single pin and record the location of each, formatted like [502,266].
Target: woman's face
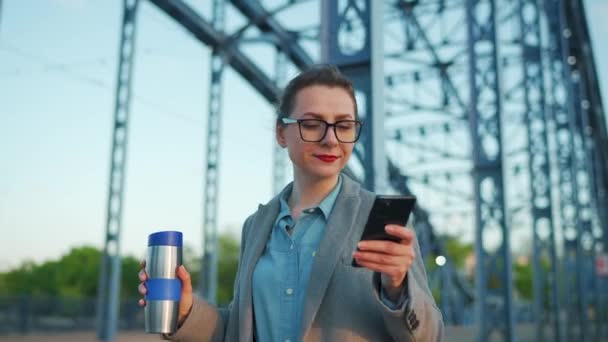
[327,157]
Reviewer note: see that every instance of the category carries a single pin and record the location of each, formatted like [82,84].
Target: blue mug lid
[166,238]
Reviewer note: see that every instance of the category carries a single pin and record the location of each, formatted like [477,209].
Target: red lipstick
[327,158]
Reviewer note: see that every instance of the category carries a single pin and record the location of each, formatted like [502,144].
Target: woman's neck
[309,192]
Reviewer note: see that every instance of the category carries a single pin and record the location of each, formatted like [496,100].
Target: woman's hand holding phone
[391,259]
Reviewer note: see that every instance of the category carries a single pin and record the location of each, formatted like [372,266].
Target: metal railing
[31,314]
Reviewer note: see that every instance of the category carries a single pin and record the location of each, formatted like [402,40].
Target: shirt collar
[325,206]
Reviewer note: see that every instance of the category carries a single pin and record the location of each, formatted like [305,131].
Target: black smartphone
[386,209]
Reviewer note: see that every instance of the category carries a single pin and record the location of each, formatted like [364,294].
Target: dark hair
[320,74]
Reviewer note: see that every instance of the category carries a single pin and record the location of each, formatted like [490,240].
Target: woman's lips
[326,158]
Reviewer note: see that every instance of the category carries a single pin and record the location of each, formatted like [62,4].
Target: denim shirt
[281,275]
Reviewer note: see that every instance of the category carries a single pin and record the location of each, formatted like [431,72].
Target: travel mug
[163,288]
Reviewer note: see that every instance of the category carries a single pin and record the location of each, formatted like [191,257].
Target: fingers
[389,270]
[184,276]
[401,232]
[143,276]
[384,247]
[405,235]
[378,258]
[142,290]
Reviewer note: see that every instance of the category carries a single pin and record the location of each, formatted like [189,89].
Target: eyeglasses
[314,130]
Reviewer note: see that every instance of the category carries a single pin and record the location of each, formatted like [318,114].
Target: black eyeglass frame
[358,126]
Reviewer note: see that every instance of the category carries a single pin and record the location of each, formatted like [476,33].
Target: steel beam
[546,287]
[347,29]
[593,159]
[586,199]
[562,112]
[264,20]
[493,275]
[109,281]
[456,294]
[204,32]
[441,65]
[208,280]
[279,154]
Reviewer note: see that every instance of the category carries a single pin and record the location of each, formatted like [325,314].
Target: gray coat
[342,303]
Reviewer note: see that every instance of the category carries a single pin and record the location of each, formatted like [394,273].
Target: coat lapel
[258,235]
[338,226]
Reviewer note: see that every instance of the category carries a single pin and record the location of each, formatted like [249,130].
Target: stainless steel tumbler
[163,288]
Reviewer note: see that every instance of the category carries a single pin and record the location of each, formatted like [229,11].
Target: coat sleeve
[205,322]
[418,319]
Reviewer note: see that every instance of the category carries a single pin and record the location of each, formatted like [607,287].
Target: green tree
[457,251]
[522,280]
[129,280]
[78,271]
[76,274]
[228,261]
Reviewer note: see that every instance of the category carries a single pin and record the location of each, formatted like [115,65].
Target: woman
[295,280]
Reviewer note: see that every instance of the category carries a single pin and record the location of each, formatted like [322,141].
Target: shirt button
[287,340]
[314,253]
[289,292]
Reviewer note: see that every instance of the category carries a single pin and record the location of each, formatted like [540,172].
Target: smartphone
[386,210]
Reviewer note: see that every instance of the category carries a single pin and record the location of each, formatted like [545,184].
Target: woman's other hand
[185,304]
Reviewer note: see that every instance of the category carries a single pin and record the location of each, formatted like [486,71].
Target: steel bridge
[488,110]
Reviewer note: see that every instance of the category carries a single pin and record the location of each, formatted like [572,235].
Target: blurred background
[122,118]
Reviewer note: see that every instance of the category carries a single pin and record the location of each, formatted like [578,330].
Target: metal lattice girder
[587,285]
[279,154]
[208,280]
[562,112]
[109,280]
[547,321]
[415,33]
[592,161]
[205,33]
[456,293]
[590,232]
[493,276]
[351,38]
[263,19]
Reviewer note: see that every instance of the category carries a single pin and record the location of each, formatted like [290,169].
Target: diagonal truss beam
[408,12]
[203,30]
[265,21]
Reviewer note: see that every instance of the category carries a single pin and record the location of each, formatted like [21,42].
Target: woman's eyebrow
[320,116]
[345,116]
[314,115]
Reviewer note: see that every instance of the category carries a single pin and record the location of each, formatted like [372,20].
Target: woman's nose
[330,137]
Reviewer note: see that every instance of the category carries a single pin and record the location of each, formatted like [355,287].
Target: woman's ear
[280,135]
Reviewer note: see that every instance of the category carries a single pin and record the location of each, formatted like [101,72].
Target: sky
[57,80]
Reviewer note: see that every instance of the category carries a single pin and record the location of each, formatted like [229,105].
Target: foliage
[227,267]
[522,280]
[457,251]
[76,274]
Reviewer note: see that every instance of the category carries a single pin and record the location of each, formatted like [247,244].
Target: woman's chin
[326,171]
